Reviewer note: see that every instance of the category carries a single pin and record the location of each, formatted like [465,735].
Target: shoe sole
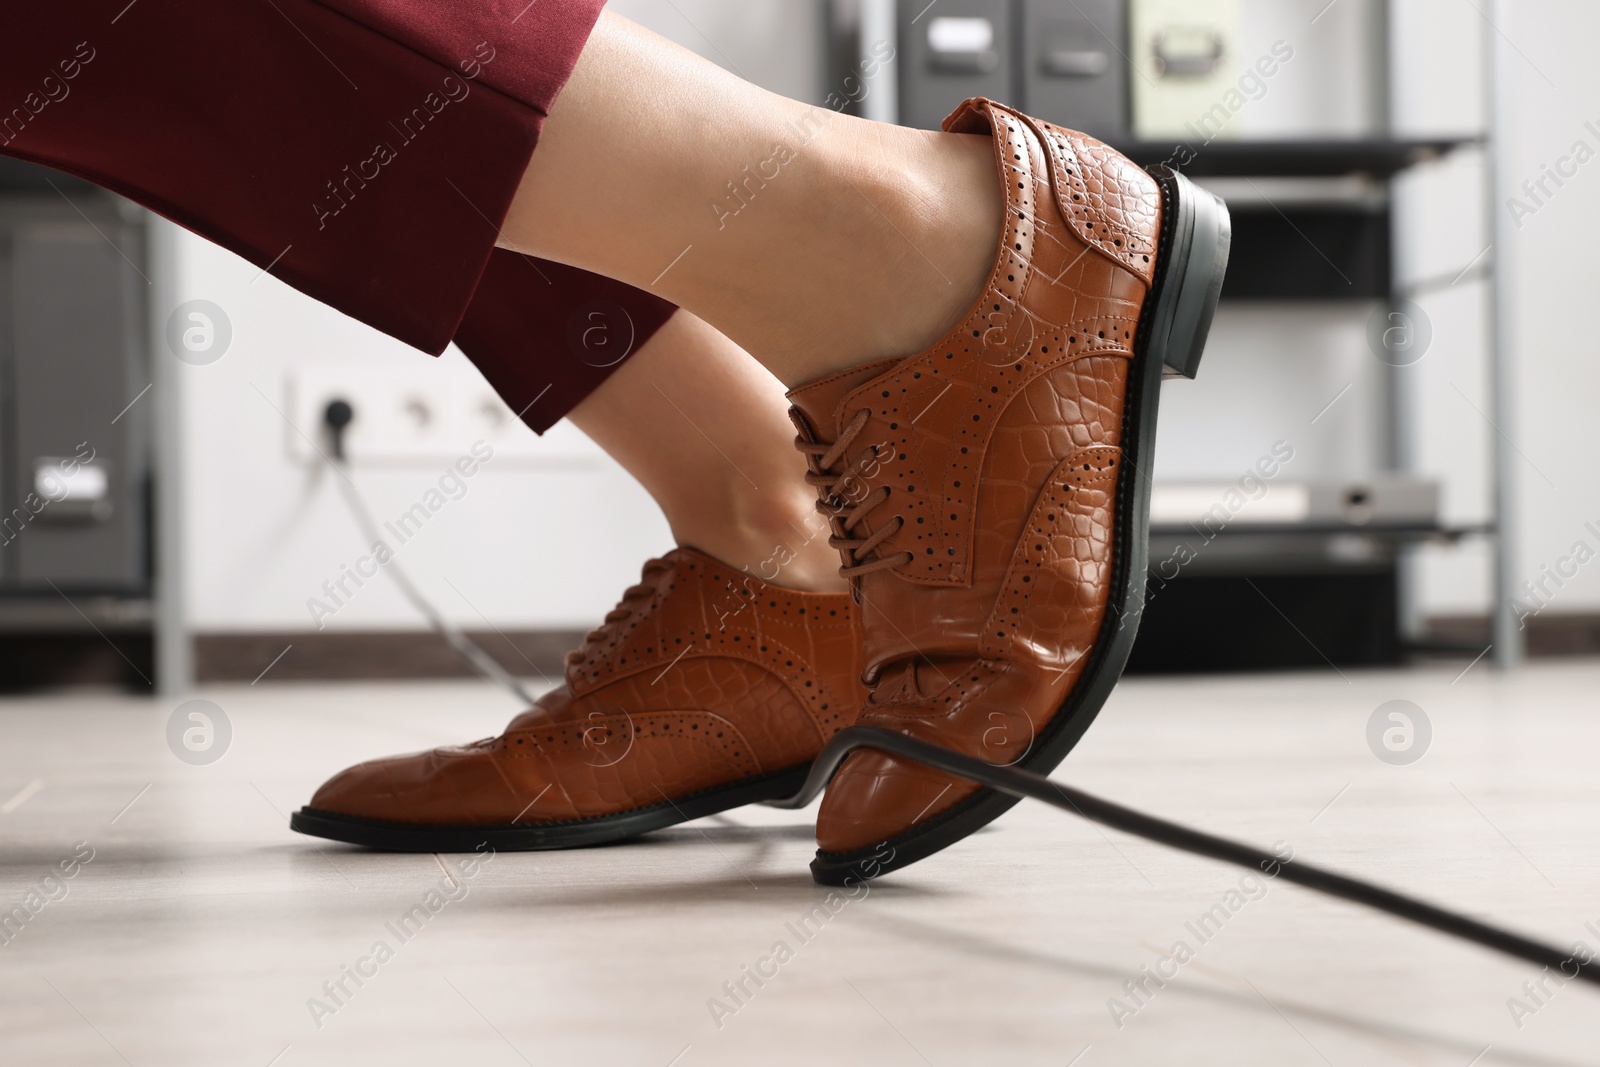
[1195,239]
[577,833]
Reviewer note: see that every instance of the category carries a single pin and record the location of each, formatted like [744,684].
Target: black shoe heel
[1200,234]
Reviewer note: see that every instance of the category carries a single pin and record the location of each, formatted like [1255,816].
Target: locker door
[1075,70]
[76,472]
[9,563]
[950,51]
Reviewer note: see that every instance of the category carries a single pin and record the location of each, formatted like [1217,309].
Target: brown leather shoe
[705,689]
[997,505]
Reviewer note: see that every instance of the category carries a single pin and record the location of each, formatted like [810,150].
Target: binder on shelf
[1185,63]
[1074,66]
[950,51]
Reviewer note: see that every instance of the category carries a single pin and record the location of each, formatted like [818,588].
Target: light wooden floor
[202,927]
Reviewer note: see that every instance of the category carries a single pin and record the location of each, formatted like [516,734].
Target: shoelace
[624,609]
[833,479]
[834,484]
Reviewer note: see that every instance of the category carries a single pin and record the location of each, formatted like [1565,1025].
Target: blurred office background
[1423,472]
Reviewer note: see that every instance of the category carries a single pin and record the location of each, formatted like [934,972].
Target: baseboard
[33,661]
[347,656]
[1548,636]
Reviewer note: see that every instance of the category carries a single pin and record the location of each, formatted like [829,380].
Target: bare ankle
[925,233]
[957,215]
[783,542]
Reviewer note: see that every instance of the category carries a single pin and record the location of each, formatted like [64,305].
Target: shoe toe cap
[441,787]
[875,798]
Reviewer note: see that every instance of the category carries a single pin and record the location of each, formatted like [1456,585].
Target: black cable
[336,418]
[1020,783]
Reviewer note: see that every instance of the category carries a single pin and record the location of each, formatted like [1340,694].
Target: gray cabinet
[1074,70]
[74,410]
[951,51]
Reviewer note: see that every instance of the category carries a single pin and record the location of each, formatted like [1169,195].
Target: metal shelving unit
[1287,267]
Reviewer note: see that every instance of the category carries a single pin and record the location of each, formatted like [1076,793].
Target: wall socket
[423,417]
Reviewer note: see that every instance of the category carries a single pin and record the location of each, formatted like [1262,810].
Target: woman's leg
[816,241]
[705,429]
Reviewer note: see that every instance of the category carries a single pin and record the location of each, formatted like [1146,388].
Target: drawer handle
[962,46]
[1188,52]
[1075,63]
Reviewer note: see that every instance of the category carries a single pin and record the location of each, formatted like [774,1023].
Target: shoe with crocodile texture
[705,689]
[991,494]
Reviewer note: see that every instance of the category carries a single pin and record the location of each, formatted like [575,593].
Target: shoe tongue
[913,681]
[896,685]
[818,402]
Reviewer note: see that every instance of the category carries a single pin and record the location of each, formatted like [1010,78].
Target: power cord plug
[336,419]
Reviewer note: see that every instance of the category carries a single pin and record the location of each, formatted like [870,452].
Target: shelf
[1309,252]
[1388,531]
[1204,623]
[1379,158]
[21,613]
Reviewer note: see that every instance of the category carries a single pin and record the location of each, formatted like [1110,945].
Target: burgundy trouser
[363,151]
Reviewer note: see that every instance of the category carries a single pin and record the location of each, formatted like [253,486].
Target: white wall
[534,542]
[1555,87]
[1437,71]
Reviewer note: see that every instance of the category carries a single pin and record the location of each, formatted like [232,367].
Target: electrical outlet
[422,416]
